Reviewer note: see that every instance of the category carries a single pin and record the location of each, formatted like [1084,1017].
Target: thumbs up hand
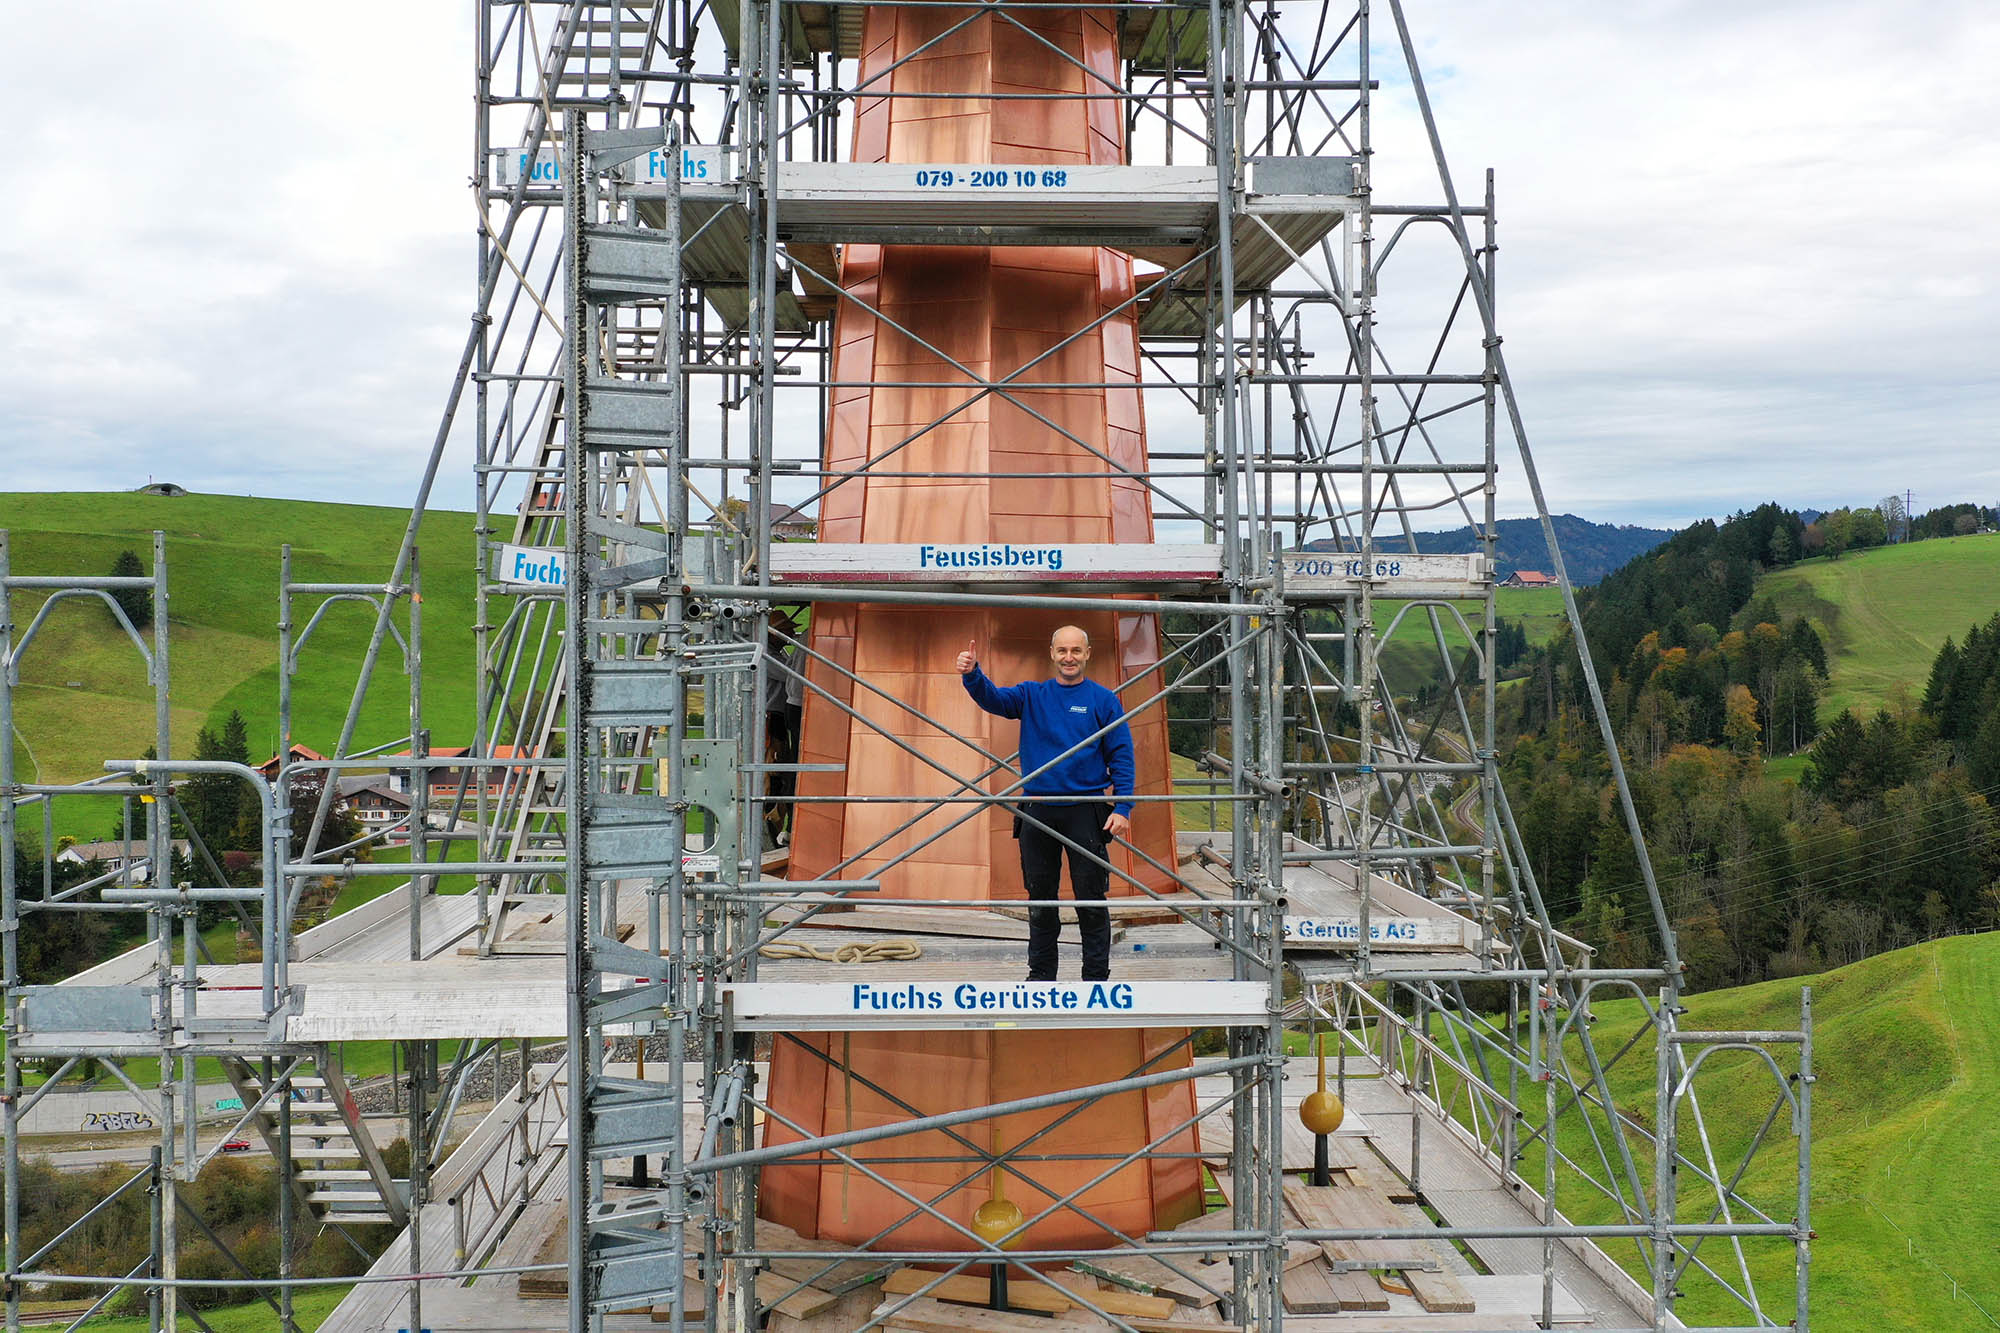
[968,659]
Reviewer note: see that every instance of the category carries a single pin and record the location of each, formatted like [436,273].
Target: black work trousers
[1041,871]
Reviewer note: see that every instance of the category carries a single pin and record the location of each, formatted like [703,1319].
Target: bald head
[1069,649]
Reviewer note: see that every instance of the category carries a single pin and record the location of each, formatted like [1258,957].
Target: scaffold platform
[354,981]
[511,1213]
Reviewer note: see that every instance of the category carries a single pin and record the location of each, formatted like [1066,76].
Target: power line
[1946,837]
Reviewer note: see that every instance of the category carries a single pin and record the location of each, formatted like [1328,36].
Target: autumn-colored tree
[1739,726]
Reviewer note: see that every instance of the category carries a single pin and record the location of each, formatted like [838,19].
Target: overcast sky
[1747,251]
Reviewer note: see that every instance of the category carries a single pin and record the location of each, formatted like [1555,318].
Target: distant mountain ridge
[1590,550]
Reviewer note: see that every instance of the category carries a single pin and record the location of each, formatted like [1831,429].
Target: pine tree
[1944,674]
[1982,760]
[1833,755]
[209,799]
[1794,706]
[1804,640]
[136,603]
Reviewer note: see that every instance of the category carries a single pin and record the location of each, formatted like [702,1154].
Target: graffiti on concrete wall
[114,1122]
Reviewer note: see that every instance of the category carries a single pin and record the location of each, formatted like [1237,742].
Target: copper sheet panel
[944,315]
[828,1078]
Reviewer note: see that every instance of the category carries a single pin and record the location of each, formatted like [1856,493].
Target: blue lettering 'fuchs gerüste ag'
[543,568]
[990,556]
[974,997]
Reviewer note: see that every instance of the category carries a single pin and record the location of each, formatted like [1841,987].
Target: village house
[1528,578]
[131,858]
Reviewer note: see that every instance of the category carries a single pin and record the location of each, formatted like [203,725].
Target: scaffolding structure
[665,189]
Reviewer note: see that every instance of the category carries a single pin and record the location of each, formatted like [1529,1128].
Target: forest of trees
[236,1199]
[1888,838]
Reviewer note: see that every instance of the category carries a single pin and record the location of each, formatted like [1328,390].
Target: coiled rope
[860,951]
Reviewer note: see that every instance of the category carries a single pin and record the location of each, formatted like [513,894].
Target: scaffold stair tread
[334,1131]
[330,1177]
[361,1219]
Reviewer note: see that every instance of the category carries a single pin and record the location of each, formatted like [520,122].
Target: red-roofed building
[444,782]
[299,754]
[1528,578]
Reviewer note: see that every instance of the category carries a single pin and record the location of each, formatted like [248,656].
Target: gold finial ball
[1321,1112]
[995,1218]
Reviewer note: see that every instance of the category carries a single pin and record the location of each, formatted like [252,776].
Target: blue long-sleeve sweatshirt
[1054,717]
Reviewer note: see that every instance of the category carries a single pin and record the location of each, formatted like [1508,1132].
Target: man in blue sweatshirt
[1056,716]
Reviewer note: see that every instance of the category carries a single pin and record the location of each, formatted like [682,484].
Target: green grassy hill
[84,696]
[1884,613]
[1409,657]
[1907,1050]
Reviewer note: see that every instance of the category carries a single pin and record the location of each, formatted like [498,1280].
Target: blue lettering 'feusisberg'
[998,555]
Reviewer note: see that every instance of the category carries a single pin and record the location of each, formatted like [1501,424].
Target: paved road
[75,1153]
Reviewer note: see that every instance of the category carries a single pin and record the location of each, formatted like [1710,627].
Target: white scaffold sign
[812,1005]
[993,562]
[700,164]
[532,567]
[1344,932]
[991,180]
[1338,573]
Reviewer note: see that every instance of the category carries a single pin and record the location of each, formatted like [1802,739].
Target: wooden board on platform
[964,923]
[1152,1277]
[1307,1291]
[1439,1293]
[784,1295]
[1023,1292]
[825,1274]
[1358,1291]
[1380,1180]
[549,1283]
[967,1289]
[531,923]
[1336,1208]
[924,1315]
[847,1313]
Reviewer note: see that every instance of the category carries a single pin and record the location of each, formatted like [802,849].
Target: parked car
[236,1145]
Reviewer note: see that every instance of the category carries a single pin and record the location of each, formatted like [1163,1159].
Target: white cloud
[242,260]
[1745,251]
